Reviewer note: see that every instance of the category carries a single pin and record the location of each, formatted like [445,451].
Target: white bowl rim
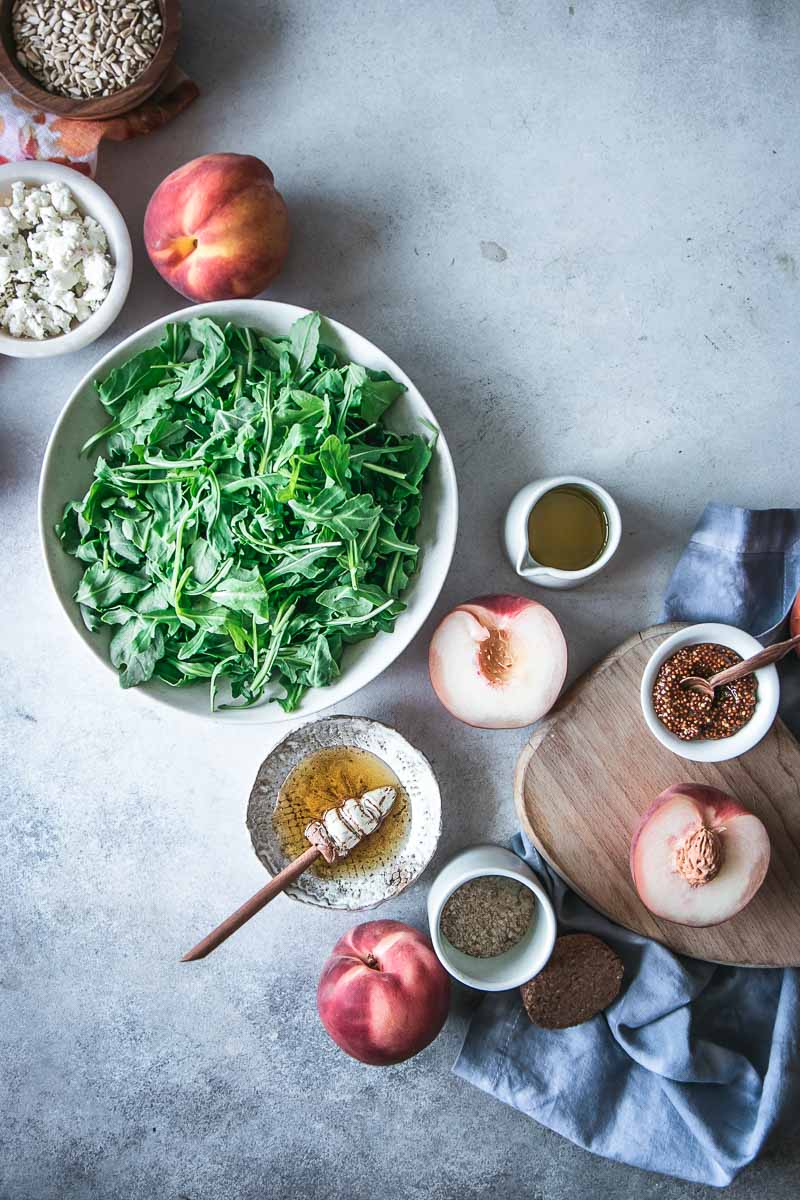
[95,202]
[264,713]
[759,725]
[511,872]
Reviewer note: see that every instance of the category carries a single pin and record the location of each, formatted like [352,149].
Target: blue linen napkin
[691,1068]
[742,566]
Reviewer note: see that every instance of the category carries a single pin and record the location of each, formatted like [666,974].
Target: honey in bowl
[325,780]
[567,529]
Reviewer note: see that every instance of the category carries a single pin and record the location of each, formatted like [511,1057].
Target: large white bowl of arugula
[247,510]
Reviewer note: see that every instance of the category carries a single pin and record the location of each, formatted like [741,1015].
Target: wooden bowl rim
[115,105]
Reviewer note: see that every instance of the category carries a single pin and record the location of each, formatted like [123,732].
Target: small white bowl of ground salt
[492,924]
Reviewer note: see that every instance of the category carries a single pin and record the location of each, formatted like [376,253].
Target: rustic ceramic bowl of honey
[358,881]
[716,749]
[524,960]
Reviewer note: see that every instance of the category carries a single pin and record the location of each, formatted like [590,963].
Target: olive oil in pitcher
[567,529]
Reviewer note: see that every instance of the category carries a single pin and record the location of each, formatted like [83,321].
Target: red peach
[216,229]
[794,621]
[383,994]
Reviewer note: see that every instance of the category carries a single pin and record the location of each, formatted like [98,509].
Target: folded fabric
[684,1074]
[742,566]
[27,132]
[694,1064]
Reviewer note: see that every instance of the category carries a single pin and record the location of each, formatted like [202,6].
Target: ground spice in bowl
[487,916]
[693,716]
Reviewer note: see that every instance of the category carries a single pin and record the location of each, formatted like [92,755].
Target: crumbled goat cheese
[55,267]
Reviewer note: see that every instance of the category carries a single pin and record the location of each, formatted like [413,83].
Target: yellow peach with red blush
[217,228]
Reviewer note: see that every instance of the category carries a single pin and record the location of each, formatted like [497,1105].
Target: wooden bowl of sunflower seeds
[87,59]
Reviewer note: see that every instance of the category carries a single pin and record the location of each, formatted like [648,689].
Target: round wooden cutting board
[592,767]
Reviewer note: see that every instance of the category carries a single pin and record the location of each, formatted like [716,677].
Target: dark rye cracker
[582,978]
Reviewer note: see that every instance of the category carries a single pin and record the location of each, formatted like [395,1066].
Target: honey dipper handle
[252,906]
[764,657]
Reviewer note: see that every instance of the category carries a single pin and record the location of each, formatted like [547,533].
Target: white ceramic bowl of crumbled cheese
[65,260]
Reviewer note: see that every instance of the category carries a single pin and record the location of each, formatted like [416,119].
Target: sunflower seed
[86,47]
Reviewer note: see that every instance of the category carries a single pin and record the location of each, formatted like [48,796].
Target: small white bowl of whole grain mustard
[65,260]
[703,729]
[492,924]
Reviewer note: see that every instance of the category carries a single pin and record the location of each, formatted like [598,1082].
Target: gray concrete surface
[577,228]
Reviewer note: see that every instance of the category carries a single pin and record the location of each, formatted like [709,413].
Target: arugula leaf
[334,458]
[242,590]
[204,559]
[304,340]
[346,600]
[137,375]
[102,587]
[334,510]
[377,395]
[291,444]
[135,649]
[324,667]
[215,355]
[301,564]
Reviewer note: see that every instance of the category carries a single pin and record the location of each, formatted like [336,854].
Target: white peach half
[697,856]
[498,662]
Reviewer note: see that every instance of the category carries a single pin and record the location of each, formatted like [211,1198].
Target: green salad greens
[251,515]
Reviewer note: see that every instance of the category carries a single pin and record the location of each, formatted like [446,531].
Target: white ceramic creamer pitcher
[516,533]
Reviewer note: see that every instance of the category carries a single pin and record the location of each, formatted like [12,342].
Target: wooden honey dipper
[332,837]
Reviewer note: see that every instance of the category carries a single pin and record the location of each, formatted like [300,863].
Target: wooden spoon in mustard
[695,683]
